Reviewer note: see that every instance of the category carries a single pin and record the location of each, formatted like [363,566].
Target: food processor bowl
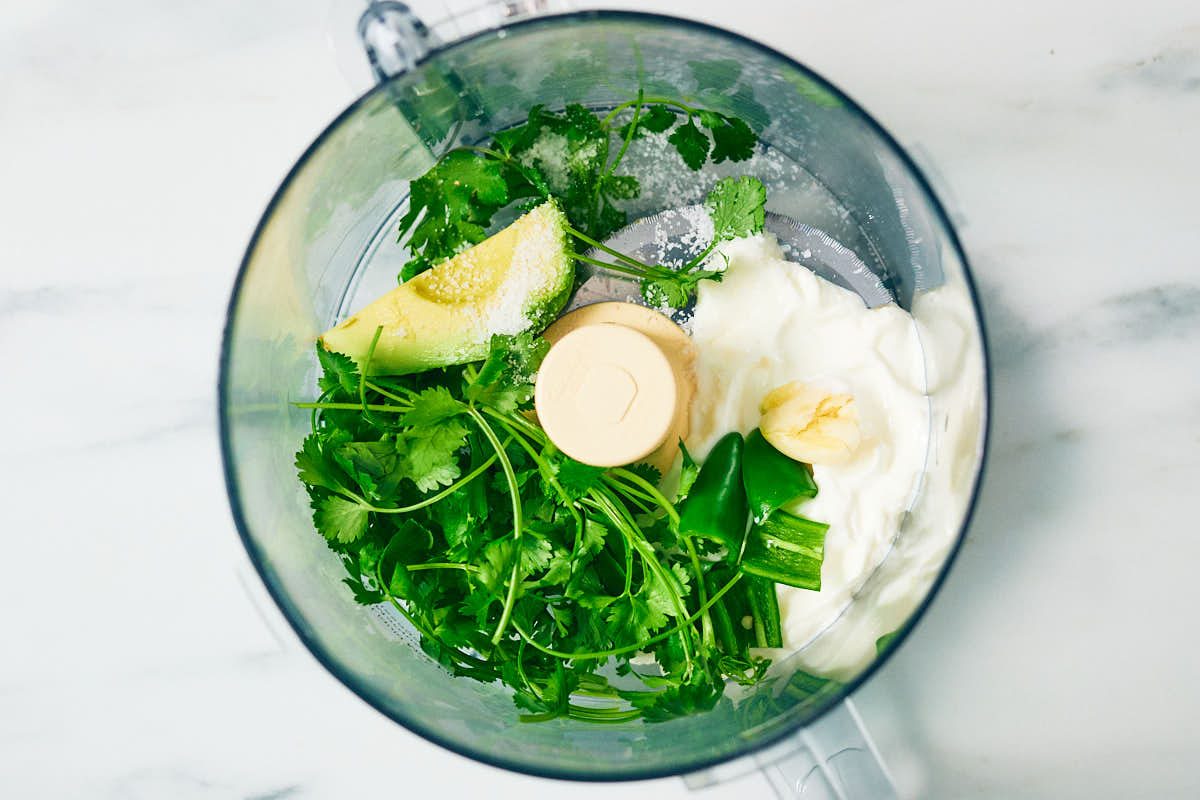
[326,244]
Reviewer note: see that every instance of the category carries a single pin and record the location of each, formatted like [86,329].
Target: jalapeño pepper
[771,478]
[764,608]
[715,507]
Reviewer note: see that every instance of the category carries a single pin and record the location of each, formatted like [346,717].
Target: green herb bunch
[573,156]
[516,563]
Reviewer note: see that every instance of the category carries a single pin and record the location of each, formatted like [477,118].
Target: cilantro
[454,202]
[593,535]
[687,473]
[647,473]
[312,467]
[363,595]
[732,138]
[691,144]
[505,380]
[569,156]
[717,75]
[576,478]
[535,555]
[442,496]
[656,120]
[430,453]
[340,519]
[737,207]
[495,564]
[431,406]
[340,373]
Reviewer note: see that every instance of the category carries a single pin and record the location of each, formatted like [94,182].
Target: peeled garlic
[809,424]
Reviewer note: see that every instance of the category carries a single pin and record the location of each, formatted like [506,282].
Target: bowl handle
[396,36]
[832,759]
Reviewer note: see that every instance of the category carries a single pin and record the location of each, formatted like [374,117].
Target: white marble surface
[139,142]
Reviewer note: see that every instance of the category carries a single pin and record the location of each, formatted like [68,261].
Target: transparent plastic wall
[328,233]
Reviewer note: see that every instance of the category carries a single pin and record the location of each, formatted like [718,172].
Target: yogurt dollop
[770,322]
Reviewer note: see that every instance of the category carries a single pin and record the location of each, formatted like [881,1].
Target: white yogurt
[770,322]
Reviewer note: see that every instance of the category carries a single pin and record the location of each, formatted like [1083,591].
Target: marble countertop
[140,143]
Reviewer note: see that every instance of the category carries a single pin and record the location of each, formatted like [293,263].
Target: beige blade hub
[606,394]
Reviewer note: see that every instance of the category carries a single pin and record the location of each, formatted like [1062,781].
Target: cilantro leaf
[408,545]
[495,564]
[654,118]
[535,554]
[717,75]
[676,701]
[620,187]
[363,595]
[450,205]
[577,478]
[477,604]
[657,119]
[687,473]
[370,458]
[432,406]
[667,291]
[339,519]
[505,380]
[646,472]
[431,454]
[737,207]
[691,144]
[312,467]
[454,515]
[732,139]
[340,372]
[593,535]
[658,593]
[558,569]
[634,617]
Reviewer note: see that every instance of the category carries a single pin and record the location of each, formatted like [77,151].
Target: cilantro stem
[604,716]
[442,565]
[525,678]
[636,497]
[637,114]
[650,489]
[706,621]
[449,490]
[377,388]
[515,494]
[482,151]
[383,587]
[649,561]
[356,407]
[611,514]
[533,431]
[366,365]
[616,651]
[550,478]
[624,270]
[630,260]
[695,262]
[663,101]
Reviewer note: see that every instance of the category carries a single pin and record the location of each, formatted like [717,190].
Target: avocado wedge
[515,280]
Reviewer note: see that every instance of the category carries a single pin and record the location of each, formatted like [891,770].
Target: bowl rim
[257,557]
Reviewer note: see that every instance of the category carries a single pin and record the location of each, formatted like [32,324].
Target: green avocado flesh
[517,279]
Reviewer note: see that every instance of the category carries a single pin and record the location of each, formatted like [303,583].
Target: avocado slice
[515,280]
